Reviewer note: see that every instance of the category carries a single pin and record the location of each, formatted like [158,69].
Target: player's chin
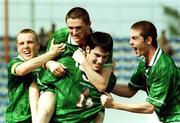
[76,39]
[97,68]
[138,55]
[27,57]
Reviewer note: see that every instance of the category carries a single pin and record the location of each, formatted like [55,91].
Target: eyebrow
[134,37]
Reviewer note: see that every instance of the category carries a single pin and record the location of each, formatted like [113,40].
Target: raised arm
[33,63]
[98,79]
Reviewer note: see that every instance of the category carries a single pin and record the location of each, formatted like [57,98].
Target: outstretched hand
[79,56]
[56,49]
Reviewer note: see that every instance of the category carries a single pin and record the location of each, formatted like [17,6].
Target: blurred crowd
[45,36]
[164,43]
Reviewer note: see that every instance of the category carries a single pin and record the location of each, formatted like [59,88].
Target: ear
[38,46]
[17,48]
[89,24]
[87,49]
[149,40]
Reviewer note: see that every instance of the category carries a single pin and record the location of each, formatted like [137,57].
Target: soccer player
[21,75]
[156,74]
[78,100]
[75,35]
[78,28]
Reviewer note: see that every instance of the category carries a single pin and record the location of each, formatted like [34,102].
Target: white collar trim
[155,57]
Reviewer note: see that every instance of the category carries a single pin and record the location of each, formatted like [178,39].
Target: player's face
[96,58]
[78,30]
[27,46]
[138,43]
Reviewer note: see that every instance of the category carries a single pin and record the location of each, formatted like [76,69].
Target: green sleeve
[47,77]
[161,83]
[138,79]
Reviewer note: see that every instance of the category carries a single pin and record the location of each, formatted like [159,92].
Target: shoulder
[165,61]
[61,35]
[67,61]
[14,61]
[12,64]
[61,31]
[165,64]
[141,64]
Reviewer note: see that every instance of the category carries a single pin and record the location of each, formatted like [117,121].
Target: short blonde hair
[30,31]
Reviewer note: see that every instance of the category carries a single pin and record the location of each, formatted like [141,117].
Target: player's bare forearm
[30,65]
[123,90]
[98,79]
[145,107]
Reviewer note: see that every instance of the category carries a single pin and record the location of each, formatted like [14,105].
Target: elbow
[102,88]
[100,85]
[150,109]
[150,112]
[21,72]
[129,95]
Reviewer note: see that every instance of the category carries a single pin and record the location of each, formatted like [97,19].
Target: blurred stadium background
[115,17]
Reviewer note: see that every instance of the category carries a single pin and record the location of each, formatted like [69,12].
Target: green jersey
[62,36]
[46,77]
[161,81]
[68,88]
[18,109]
[77,99]
[69,91]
